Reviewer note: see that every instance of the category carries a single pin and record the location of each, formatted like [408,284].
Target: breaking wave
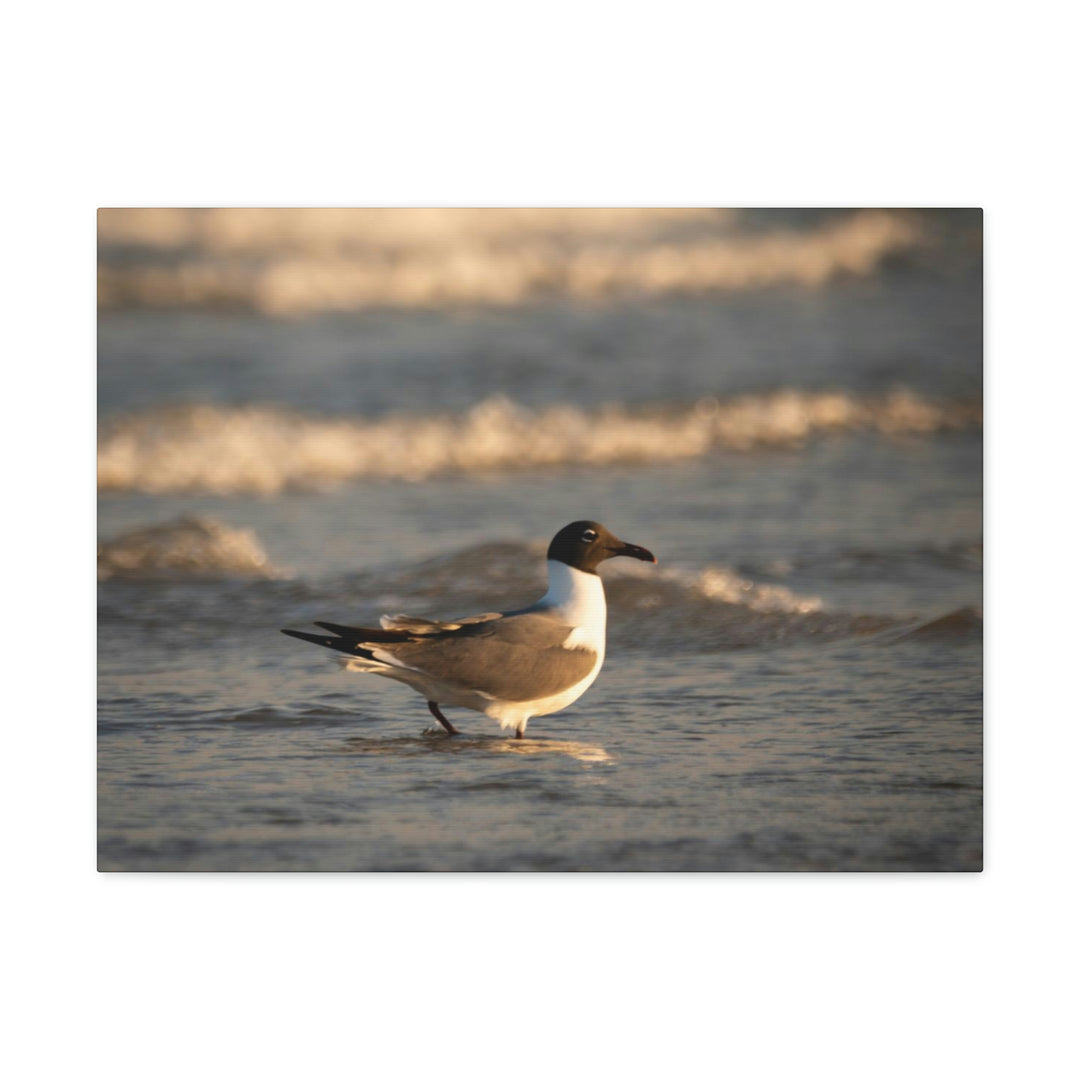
[960,623]
[265,449]
[487,574]
[293,262]
[187,546]
[653,609]
[714,583]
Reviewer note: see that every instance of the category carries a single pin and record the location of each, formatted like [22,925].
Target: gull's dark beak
[634,552]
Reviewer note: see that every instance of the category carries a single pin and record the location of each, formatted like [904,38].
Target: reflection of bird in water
[587,753]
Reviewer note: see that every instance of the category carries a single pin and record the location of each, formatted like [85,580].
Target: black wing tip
[319,639]
[304,635]
[340,644]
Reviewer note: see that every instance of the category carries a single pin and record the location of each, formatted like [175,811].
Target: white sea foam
[716,583]
[265,449]
[297,262]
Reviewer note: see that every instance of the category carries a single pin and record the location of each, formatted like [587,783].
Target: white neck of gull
[577,597]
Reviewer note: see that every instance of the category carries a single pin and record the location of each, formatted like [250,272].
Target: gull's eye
[588,536]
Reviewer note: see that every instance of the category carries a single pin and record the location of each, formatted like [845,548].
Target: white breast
[578,598]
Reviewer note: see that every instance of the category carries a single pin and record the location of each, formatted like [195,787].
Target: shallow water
[862,757]
[797,685]
[776,695]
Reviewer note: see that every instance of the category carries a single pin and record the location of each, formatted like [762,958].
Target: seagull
[510,665]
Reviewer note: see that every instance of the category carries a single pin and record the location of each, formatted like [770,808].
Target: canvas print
[539,539]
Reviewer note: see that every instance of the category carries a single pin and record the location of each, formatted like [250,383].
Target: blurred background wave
[297,262]
[258,349]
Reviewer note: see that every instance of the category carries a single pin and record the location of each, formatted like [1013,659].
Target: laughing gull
[510,665]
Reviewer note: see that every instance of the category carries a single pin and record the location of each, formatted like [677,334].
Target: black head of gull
[584,545]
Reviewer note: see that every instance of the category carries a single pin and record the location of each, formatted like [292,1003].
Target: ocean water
[796,686]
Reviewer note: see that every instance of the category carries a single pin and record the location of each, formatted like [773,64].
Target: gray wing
[416,625]
[512,658]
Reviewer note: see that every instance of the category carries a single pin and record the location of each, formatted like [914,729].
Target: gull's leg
[434,707]
[519,733]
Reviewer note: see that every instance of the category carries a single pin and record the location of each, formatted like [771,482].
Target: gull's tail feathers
[364,634]
[352,640]
[321,639]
